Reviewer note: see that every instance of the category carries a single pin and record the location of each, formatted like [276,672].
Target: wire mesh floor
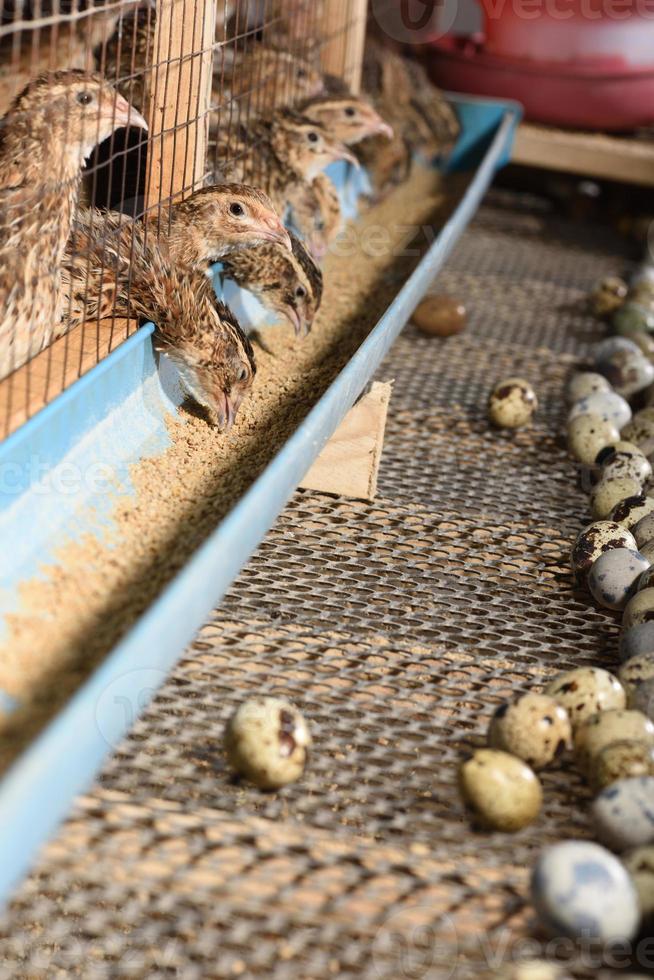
[396,627]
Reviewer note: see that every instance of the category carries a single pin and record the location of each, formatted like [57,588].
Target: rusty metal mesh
[397,627]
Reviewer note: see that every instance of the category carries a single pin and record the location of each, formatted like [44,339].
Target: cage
[128,326]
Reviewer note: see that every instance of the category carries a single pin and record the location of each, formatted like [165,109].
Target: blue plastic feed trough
[117,413]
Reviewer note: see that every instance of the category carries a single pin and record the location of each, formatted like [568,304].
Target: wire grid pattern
[396,627]
[130,172]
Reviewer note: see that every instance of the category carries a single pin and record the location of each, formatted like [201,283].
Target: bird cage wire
[178,63]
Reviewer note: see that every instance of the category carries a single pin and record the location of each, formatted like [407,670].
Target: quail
[46,135]
[116,267]
[347,118]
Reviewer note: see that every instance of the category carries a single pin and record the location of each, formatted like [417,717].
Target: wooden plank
[349,464]
[37,383]
[345,30]
[590,154]
[178,98]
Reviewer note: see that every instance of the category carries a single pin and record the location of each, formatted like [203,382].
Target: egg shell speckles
[623,813]
[621,760]
[624,460]
[608,405]
[585,383]
[581,890]
[641,698]
[632,510]
[644,530]
[613,578]
[585,691]
[641,433]
[610,726]
[639,609]
[588,435]
[512,404]
[606,348]
[640,865]
[609,492]
[534,727]
[647,551]
[267,742]
[636,670]
[628,371]
[636,641]
[595,540]
[502,791]
[608,296]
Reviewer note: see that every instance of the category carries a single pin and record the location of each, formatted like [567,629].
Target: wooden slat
[591,154]
[179,97]
[345,29]
[36,384]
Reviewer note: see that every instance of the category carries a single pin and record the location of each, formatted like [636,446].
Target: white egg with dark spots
[512,404]
[637,640]
[623,813]
[585,691]
[534,727]
[501,790]
[614,577]
[585,383]
[621,760]
[608,406]
[631,510]
[588,435]
[639,609]
[640,431]
[596,539]
[627,370]
[644,530]
[581,890]
[267,742]
[606,348]
[610,726]
[636,670]
[608,492]
[624,460]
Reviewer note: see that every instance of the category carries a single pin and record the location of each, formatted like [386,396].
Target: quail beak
[226,409]
[278,235]
[382,128]
[296,321]
[126,115]
[341,153]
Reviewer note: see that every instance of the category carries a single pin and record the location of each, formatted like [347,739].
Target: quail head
[288,284]
[215,221]
[347,118]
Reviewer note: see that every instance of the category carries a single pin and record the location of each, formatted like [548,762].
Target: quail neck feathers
[49,130]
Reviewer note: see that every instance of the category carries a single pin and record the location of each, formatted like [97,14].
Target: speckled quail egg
[640,431]
[502,790]
[636,641]
[583,891]
[632,316]
[639,609]
[614,577]
[588,435]
[595,540]
[632,509]
[643,531]
[585,383]
[623,813]
[644,342]
[627,370]
[608,296]
[606,348]
[621,760]
[645,580]
[636,670]
[267,742]
[585,691]
[608,405]
[641,698]
[640,865]
[534,727]
[512,403]
[624,460]
[609,492]
[647,551]
[610,726]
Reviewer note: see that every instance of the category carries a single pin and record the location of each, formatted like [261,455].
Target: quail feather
[347,118]
[47,134]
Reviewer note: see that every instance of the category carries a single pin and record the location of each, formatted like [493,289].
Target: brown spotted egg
[595,540]
[605,727]
[624,460]
[534,727]
[639,609]
[621,760]
[585,691]
[631,510]
[267,742]
[588,435]
[609,492]
[585,383]
[512,404]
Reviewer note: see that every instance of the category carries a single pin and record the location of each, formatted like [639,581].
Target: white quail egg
[610,726]
[585,691]
[501,789]
[585,383]
[631,510]
[607,405]
[639,609]
[609,492]
[267,741]
[588,435]
[512,403]
[614,577]
[623,813]
[595,540]
[534,727]
[621,760]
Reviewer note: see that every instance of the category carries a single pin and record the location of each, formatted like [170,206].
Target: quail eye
[300,292]
[243,375]
[84,98]
[312,137]
[237,210]
[350,111]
